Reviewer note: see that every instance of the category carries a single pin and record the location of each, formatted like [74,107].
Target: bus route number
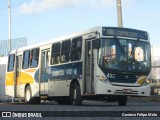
[110,75]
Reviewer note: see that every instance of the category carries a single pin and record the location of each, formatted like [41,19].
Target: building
[155,71]
[15,43]
[3,64]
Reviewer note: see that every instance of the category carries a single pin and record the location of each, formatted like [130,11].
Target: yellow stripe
[26,78]
[10,78]
[23,79]
[141,79]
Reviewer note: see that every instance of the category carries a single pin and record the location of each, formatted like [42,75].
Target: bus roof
[54,40]
[70,36]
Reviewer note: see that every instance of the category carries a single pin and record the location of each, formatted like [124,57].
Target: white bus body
[71,68]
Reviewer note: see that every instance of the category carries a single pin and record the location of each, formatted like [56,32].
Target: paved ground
[94,110]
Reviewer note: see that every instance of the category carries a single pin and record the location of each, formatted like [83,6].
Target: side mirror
[96,44]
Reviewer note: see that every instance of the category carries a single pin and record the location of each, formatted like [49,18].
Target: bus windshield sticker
[129,68]
[123,42]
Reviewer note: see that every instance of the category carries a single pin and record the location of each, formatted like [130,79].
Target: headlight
[102,78]
[143,80]
[147,82]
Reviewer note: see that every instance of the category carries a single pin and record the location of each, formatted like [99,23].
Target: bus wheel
[122,100]
[75,95]
[28,95]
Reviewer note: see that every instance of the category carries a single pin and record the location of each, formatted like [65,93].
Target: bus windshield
[124,55]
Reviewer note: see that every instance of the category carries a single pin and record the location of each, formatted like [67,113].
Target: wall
[3,63]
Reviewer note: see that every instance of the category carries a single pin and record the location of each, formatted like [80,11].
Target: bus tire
[122,100]
[75,95]
[28,95]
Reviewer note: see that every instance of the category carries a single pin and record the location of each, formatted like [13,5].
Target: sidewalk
[152,98]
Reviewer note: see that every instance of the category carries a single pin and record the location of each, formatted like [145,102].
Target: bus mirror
[96,44]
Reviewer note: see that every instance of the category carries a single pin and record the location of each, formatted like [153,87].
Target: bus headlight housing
[103,78]
[146,82]
[142,80]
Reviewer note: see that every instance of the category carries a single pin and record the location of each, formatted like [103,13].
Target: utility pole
[119,14]
[9,31]
[9,26]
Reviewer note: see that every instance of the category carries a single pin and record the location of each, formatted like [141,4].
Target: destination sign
[124,32]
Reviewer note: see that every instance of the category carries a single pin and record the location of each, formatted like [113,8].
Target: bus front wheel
[122,100]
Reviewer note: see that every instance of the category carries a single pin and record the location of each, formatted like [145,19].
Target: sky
[41,20]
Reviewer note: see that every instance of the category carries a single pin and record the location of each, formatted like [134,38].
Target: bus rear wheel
[28,95]
[122,100]
[75,95]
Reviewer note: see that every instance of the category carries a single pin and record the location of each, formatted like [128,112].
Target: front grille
[121,78]
[121,92]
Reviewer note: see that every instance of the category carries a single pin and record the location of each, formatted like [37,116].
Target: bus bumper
[107,89]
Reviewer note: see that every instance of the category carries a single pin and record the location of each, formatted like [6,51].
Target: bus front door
[89,68]
[18,75]
[44,72]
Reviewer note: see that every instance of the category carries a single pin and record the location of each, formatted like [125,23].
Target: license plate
[127,90]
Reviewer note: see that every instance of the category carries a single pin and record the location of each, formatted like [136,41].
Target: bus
[101,63]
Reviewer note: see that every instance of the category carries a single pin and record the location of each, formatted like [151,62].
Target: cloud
[38,6]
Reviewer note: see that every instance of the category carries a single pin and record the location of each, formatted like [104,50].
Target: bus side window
[76,49]
[65,51]
[26,59]
[11,63]
[34,57]
[55,58]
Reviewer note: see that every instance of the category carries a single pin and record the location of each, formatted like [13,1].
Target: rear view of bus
[123,64]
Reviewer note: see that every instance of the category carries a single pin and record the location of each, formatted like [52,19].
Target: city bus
[101,63]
